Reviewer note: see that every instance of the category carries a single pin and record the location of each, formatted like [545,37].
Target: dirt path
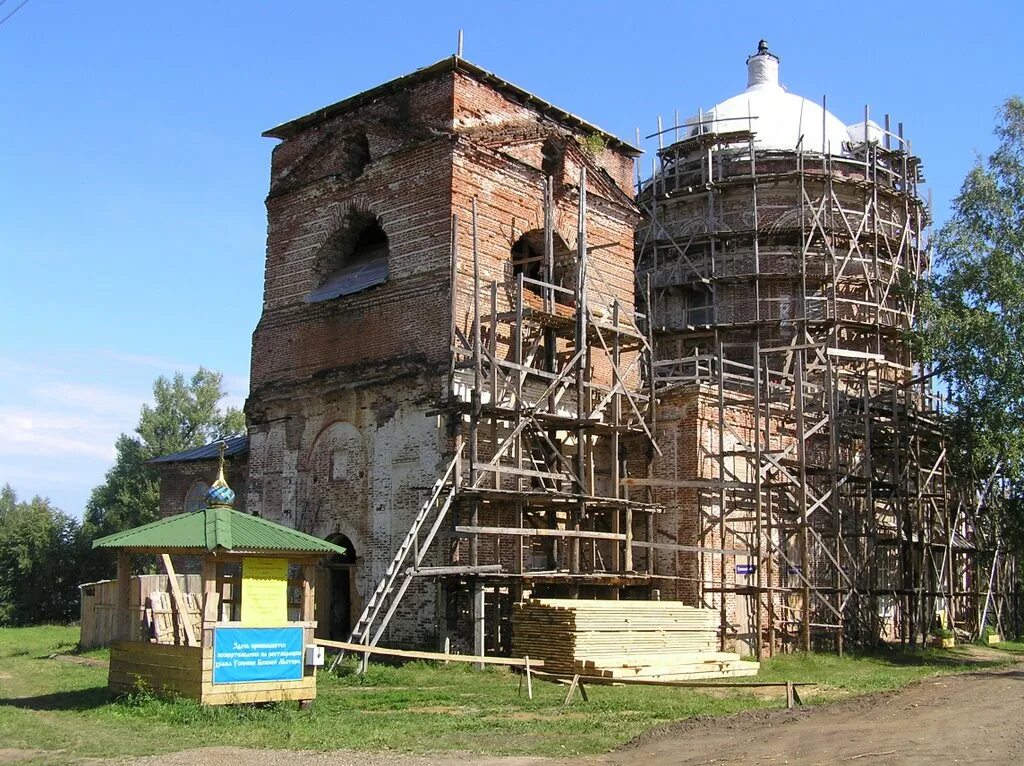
[970,718]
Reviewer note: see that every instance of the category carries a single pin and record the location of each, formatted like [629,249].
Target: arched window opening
[354,259]
[529,260]
[195,498]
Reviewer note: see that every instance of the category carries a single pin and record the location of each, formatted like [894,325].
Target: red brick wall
[177,479]
[497,160]
[407,184]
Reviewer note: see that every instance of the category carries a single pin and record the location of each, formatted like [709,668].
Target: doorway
[337,601]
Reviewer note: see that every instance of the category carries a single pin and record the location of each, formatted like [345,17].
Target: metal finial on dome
[762,67]
[220,495]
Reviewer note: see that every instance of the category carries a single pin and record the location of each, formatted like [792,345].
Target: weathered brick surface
[342,441]
[181,483]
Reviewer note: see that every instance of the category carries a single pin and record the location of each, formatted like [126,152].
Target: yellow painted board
[264,592]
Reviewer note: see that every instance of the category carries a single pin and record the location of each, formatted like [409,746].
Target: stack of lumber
[654,640]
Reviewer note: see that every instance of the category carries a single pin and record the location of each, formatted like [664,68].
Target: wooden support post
[723,616]
[804,533]
[576,684]
[517,358]
[125,628]
[474,418]
[211,594]
[453,307]
[616,421]
[529,679]
[582,345]
[478,620]
[179,601]
[308,592]
[572,689]
[628,561]
[492,351]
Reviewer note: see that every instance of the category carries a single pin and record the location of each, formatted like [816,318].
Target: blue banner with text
[248,655]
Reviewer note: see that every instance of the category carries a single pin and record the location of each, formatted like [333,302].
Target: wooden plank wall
[99,601]
[188,671]
[161,668]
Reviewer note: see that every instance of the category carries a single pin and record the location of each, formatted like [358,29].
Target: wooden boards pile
[655,640]
[162,622]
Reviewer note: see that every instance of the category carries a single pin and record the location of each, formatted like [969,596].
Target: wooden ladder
[396,580]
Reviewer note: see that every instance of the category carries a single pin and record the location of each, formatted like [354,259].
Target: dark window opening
[528,259]
[359,154]
[552,157]
[685,306]
[353,259]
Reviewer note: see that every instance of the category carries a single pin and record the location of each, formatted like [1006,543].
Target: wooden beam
[179,601]
[453,570]
[678,684]
[515,662]
[632,543]
[530,532]
[684,483]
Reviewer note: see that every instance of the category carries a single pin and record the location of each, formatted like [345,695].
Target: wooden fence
[99,604]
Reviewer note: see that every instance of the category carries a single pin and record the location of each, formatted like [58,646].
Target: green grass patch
[1014,647]
[419,707]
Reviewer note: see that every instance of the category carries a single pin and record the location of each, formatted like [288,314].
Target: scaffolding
[782,289]
[546,412]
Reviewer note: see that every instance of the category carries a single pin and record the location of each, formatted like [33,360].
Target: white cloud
[60,414]
[34,432]
[91,398]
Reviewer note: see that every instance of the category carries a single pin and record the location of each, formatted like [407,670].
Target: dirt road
[970,718]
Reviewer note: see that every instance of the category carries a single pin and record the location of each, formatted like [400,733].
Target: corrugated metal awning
[235,445]
[351,279]
[211,528]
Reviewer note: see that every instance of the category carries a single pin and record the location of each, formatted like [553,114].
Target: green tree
[42,553]
[185,413]
[973,313]
[8,499]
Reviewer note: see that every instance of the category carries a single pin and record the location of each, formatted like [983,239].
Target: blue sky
[133,173]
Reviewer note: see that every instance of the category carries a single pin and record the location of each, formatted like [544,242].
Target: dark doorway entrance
[337,607]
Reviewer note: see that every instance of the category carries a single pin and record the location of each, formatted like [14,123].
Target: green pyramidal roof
[211,528]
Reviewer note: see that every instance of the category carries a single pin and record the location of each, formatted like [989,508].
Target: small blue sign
[248,655]
[746,569]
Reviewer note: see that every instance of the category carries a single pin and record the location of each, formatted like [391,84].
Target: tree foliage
[185,413]
[973,312]
[44,555]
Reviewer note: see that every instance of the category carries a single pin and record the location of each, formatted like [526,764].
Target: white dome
[777,118]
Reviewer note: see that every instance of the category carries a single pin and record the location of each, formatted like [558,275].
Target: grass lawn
[1014,647]
[63,708]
